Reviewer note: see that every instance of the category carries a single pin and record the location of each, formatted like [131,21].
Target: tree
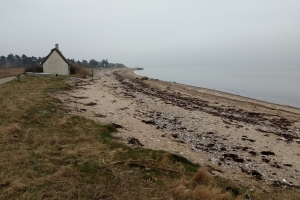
[11,58]
[84,62]
[104,63]
[93,63]
[71,60]
[24,59]
[18,61]
[29,60]
[2,61]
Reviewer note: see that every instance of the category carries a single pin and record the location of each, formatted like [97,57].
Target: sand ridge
[236,137]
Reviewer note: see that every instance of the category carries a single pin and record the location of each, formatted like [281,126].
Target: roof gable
[58,51]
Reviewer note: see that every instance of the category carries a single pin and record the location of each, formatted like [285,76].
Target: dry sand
[235,137]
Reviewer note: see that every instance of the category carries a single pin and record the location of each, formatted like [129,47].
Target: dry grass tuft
[202,178]
[200,187]
[84,138]
[16,186]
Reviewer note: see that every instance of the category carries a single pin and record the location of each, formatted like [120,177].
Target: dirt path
[6,79]
[238,138]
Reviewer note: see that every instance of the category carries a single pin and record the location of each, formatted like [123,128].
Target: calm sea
[280,85]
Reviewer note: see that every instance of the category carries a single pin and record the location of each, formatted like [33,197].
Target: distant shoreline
[227,94]
[243,98]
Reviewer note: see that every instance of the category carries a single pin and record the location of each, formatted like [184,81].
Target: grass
[6,72]
[46,153]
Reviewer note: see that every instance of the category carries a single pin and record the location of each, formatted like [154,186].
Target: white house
[56,63]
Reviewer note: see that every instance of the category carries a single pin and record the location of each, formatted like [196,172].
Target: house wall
[56,65]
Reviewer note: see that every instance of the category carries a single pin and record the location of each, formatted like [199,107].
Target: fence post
[92,75]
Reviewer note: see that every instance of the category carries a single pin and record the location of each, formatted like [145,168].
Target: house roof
[58,51]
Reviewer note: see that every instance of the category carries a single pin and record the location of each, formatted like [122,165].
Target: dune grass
[46,153]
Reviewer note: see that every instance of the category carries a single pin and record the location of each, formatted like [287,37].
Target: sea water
[280,85]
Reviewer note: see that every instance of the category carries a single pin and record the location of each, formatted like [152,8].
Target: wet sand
[235,137]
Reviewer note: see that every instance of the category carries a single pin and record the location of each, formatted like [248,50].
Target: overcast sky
[155,32]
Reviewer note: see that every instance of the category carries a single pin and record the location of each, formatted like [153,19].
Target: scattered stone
[253,153]
[134,142]
[100,115]
[144,78]
[116,125]
[214,160]
[276,165]
[250,140]
[91,104]
[79,97]
[234,157]
[223,148]
[151,121]
[268,153]
[265,160]
[286,182]
[257,174]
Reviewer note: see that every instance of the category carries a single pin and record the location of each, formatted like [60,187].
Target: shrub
[78,70]
[33,69]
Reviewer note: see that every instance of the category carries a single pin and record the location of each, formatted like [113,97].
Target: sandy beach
[235,137]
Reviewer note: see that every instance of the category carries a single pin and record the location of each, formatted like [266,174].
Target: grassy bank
[46,153]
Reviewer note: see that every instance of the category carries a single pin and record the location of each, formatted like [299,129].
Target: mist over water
[274,84]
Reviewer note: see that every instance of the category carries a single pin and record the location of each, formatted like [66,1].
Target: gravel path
[6,79]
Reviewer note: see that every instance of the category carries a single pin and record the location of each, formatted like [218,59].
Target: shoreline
[222,92]
[236,139]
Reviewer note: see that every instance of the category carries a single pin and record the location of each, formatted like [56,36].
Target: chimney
[56,46]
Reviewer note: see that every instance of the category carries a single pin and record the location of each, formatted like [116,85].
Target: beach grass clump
[201,186]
